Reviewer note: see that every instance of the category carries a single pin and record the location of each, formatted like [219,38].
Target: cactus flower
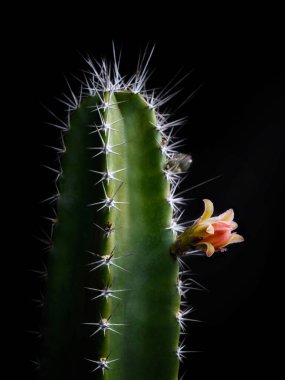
[208,234]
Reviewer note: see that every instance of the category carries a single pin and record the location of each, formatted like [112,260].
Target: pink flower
[208,234]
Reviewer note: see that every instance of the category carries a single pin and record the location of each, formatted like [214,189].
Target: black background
[235,129]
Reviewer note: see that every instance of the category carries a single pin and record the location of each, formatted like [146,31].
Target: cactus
[115,292]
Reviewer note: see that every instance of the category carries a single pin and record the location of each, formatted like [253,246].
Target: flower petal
[208,248]
[210,229]
[222,226]
[199,230]
[227,216]
[235,238]
[218,239]
[234,225]
[209,209]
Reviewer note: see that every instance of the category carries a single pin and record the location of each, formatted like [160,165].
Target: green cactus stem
[114,289]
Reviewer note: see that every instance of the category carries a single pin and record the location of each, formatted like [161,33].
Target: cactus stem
[117,140]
